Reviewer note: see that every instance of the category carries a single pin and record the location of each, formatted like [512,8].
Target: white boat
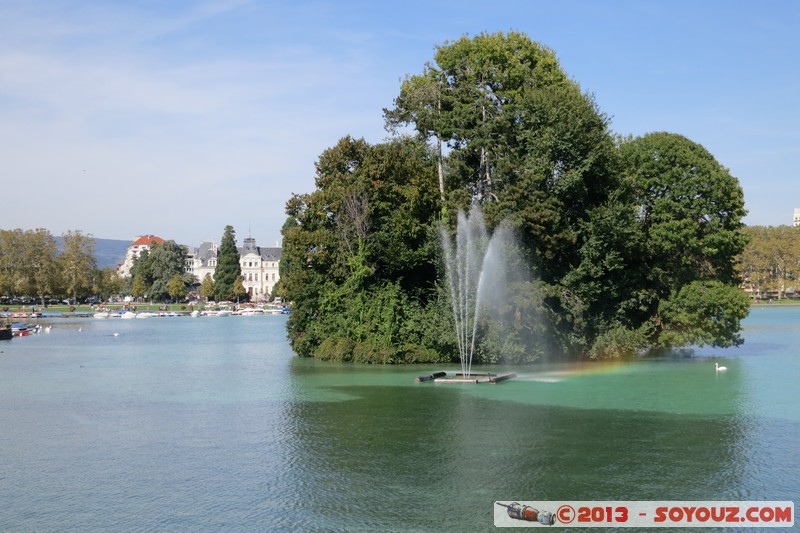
[128,314]
[102,314]
[251,312]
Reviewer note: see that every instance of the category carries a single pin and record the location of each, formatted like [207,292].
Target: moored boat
[19,329]
[251,311]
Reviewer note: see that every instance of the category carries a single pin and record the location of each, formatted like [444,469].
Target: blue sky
[121,118]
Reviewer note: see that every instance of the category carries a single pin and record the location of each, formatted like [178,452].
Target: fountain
[475,269]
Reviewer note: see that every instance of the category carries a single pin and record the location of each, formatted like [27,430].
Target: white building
[259,269]
[202,261]
[796,221]
[260,266]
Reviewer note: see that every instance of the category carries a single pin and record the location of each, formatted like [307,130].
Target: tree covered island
[625,245]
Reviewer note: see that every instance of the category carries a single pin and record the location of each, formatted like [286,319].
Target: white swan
[720,368]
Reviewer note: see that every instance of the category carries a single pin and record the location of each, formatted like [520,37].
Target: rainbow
[562,371]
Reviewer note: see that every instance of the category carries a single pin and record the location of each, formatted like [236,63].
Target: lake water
[212,424]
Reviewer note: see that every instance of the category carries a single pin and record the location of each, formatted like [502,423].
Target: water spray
[466,263]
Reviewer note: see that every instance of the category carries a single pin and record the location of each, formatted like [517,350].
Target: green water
[212,424]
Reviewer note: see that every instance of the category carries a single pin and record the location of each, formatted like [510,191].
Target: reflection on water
[212,424]
[419,454]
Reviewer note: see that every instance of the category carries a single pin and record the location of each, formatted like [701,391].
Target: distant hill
[107,252]
[110,252]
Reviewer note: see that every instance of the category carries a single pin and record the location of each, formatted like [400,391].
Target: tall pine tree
[228,268]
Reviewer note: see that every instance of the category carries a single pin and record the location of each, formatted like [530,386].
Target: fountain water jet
[475,269]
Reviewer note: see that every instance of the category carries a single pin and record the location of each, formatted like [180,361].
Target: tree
[176,288]
[358,260]
[239,292]
[228,268]
[77,262]
[770,263]
[628,239]
[168,260]
[139,286]
[690,211]
[11,261]
[38,267]
[421,103]
[153,270]
[703,312]
[141,275]
[207,287]
[756,262]
[469,99]
[107,282]
[534,150]
[689,205]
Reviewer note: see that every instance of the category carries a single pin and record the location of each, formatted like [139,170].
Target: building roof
[266,254]
[270,254]
[207,248]
[147,239]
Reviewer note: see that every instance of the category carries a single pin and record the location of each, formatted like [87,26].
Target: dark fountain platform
[472,377]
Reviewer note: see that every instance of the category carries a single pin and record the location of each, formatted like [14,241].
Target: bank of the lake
[212,424]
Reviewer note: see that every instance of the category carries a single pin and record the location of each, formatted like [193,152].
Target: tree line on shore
[32,266]
[770,264]
[629,243]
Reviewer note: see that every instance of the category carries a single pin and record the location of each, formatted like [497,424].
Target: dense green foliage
[30,266]
[77,262]
[158,273]
[357,259]
[689,209]
[228,269]
[207,287]
[630,243]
